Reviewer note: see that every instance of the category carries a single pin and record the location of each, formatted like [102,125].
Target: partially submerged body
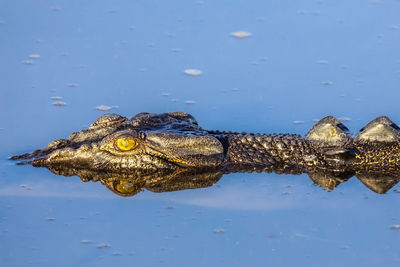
[175,140]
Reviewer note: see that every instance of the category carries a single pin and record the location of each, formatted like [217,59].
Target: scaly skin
[175,140]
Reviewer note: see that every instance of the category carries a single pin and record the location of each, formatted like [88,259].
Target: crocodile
[127,184]
[175,140]
[175,143]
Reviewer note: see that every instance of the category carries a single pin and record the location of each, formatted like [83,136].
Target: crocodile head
[146,141]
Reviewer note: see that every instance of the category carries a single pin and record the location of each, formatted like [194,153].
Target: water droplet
[241,34]
[193,72]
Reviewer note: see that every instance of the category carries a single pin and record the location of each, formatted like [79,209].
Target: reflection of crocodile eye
[125,187]
[125,144]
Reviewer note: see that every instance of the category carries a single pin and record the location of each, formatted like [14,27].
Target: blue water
[304,60]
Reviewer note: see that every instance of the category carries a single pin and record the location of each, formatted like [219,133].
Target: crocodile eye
[125,144]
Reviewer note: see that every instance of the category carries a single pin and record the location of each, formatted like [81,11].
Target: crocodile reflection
[128,184]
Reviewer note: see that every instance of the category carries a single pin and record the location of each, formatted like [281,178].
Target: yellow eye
[125,187]
[125,144]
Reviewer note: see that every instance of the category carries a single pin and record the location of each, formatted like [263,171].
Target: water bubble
[103,108]
[193,72]
[241,34]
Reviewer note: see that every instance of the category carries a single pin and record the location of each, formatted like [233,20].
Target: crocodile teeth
[381,129]
[328,132]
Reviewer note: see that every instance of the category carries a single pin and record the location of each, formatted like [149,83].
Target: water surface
[303,60]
